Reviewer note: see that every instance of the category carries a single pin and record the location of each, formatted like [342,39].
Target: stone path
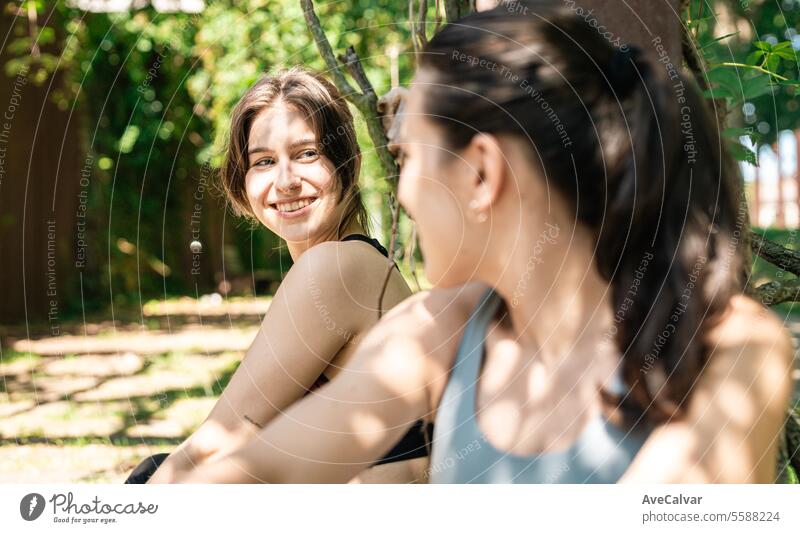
[88,405]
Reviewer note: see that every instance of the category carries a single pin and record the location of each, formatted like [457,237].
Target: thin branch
[33,27]
[353,65]
[325,50]
[419,35]
[455,9]
[395,207]
[418,23]
[774,253]
[422,27]
[409,253]
[412,23]
[778,292]
[699,18]
[756,68]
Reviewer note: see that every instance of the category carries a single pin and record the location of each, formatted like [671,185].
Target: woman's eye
[308,154]
[266,162]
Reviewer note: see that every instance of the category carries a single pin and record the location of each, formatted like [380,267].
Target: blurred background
[128,291]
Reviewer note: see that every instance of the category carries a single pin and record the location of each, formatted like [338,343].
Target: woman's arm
[731,429]
[395,378]
[317,309]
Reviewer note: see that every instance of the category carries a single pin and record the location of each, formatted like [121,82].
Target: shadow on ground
[89,404]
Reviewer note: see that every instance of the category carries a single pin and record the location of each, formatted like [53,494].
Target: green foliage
[154,92]
[755,78]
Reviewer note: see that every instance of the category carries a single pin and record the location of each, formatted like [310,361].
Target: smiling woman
[293,164]
[293,160]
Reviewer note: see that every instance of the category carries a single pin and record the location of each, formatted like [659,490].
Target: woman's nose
[287,180]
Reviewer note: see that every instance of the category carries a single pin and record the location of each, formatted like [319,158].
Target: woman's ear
[490,173]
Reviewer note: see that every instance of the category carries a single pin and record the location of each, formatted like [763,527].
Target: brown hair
[329,118]
[636,154]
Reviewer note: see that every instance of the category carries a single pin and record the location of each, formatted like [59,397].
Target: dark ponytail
[630,143]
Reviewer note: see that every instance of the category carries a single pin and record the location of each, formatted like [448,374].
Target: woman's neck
[557,302]
[298,248]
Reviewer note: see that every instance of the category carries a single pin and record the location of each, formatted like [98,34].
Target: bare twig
[395,207]
[413,24]
[455,9]
[419,36]
[409,253]
[422,24]
[33,28]
[353,65]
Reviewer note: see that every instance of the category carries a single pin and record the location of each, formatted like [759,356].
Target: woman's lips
[294,209]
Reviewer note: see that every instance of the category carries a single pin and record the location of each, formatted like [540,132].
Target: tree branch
[325,50]
[778,292]
[366,102]
[395,207]
[438,18]
[419,34]
[353,65]
[774,253]
[455,9]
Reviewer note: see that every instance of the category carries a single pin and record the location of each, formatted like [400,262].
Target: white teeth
[294,206]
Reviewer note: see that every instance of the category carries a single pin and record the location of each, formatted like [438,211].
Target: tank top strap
[369,240]
[467,364]
[372,242]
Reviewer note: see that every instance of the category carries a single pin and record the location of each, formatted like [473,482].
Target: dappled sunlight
[194,337]
[90,407]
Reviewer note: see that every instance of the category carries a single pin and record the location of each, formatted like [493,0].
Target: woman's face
[434,190]
[292,188]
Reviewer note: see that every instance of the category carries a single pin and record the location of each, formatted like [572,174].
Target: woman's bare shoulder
[746,325]
[434,319]
[750,348]
[352,265]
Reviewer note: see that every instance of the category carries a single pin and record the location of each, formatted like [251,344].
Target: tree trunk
[640,22]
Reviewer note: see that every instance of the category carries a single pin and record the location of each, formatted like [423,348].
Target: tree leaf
[726,76]
[755,57]
[772,62]
[739,132]
[788,55]
[742,152]
[757,86]
[718,39]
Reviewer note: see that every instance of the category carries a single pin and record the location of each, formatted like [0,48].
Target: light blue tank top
[461,453]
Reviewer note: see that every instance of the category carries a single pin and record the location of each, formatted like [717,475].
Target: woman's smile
[295,208]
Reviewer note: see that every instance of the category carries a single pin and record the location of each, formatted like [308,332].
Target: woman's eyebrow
[303,142]
[257,150]
[295,144]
